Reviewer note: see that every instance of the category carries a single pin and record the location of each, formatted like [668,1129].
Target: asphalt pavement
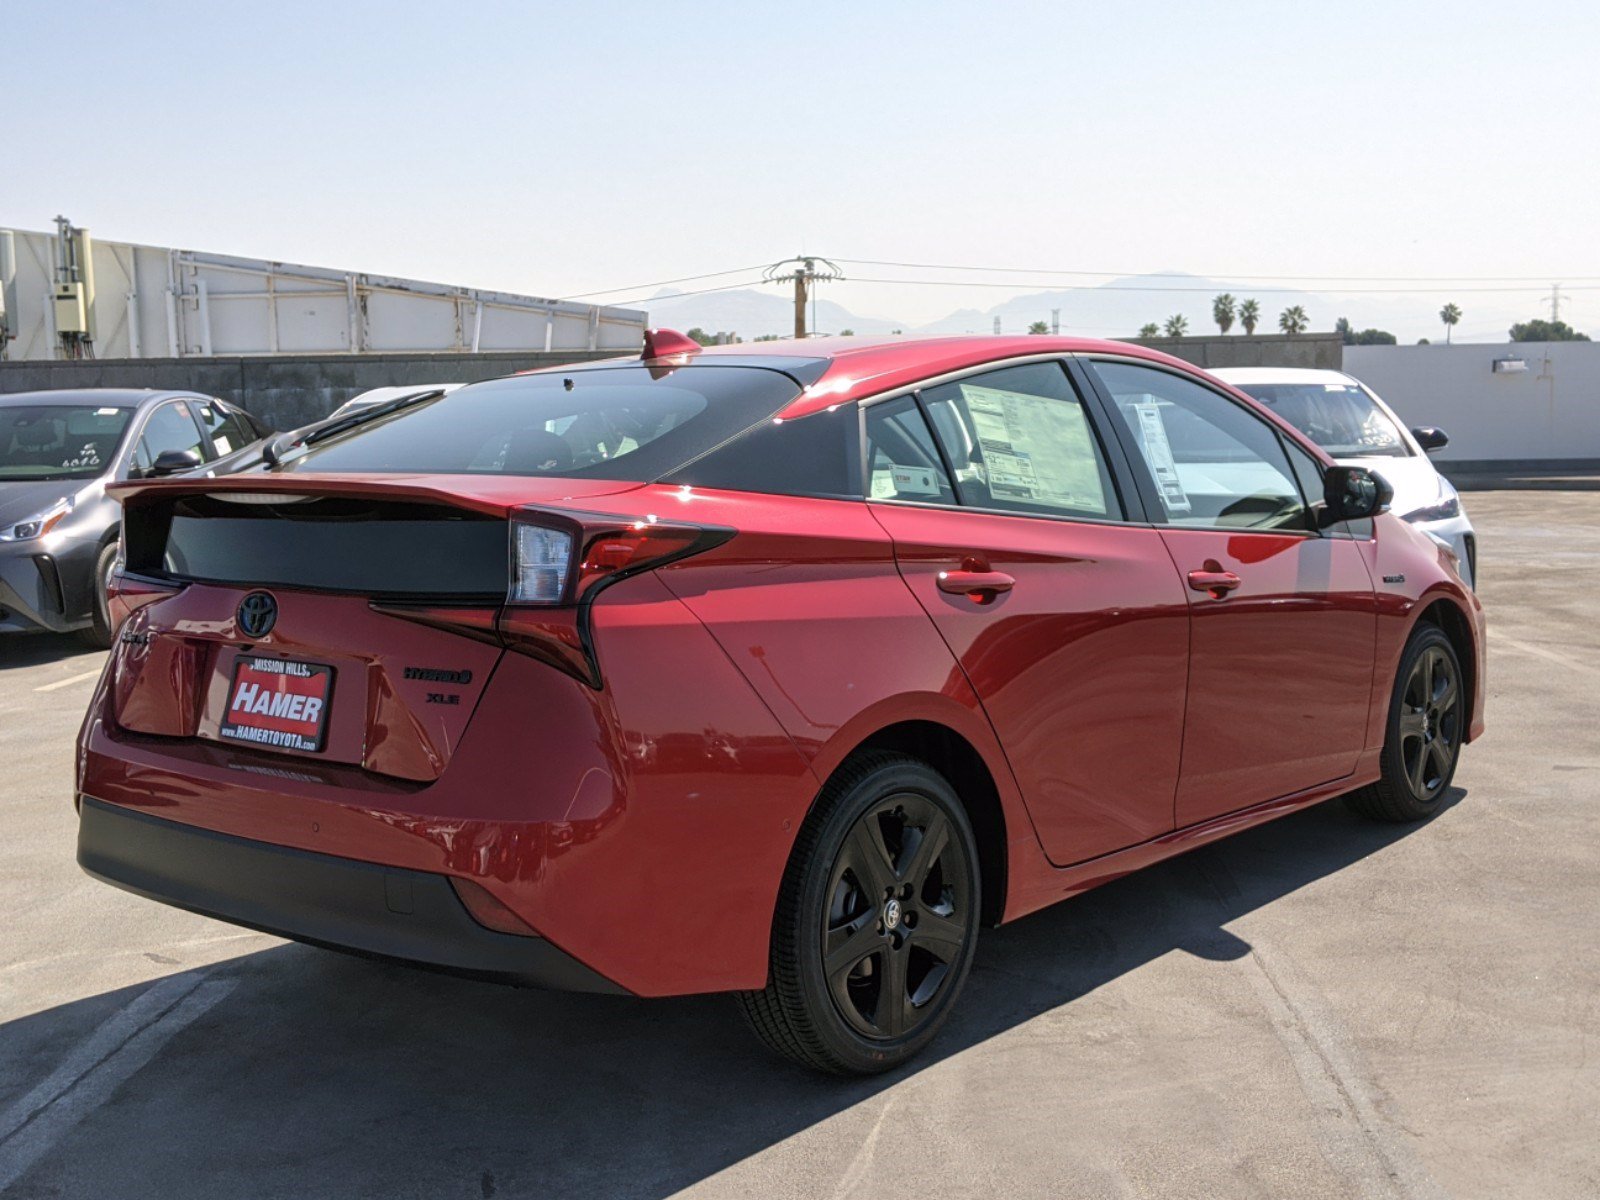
[1321,1007]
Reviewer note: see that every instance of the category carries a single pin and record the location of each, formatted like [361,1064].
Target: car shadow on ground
[324,1073]
[36,649]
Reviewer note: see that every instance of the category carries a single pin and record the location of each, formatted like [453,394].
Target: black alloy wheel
[876,923]
[899,916]
[1427,722]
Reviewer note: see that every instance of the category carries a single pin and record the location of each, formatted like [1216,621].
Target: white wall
[1550,411]
[152,302]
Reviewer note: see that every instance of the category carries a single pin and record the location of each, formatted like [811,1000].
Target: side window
[228,429]
[1214,463]
[1019,439]
[1309,471]
[902,461]
[170,427]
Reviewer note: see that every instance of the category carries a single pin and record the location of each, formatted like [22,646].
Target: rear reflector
[489,912]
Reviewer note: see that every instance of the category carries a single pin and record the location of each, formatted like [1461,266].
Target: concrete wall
[1547,415]
[1322,350]
[285,391]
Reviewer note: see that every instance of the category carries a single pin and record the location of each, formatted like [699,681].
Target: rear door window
[903,462]
[229,431]
[1020,440]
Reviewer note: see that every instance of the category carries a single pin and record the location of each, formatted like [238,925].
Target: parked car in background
[773,669]
[58,528]
[1353,424]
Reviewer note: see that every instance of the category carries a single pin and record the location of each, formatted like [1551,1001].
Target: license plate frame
[306,685]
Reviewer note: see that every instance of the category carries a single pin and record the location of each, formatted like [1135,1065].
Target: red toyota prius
[776,670]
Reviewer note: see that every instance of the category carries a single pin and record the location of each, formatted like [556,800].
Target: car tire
[98,634]
[1423,736]
[876,922]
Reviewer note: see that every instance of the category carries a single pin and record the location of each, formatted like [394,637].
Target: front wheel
[98,633]
[876,924]
[1422,745]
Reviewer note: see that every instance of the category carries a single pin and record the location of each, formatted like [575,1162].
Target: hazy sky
[563,148]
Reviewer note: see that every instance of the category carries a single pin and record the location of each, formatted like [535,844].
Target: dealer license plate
[278,702]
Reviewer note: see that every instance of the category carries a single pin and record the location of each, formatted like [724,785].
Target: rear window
[635,423]
[57,441]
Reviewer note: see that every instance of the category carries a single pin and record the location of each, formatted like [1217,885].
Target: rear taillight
[559,562]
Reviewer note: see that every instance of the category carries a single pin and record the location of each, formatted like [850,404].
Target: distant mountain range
[1114,309]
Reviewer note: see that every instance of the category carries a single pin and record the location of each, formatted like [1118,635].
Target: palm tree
[1177,325]
[1449,314]
[1222,311]
[1249,316]
[1039,327]
[1150,330]
[1293,320]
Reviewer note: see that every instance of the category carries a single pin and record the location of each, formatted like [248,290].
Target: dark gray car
[58,528]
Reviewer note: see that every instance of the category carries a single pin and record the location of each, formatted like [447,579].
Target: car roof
[1238,375]
[99,397]
[836,370]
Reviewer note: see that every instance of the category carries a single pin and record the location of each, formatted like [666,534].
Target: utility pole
[1055,320]
[803,272]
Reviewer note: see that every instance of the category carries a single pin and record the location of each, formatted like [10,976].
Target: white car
[1348,420]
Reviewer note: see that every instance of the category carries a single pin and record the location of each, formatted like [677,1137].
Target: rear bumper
[342,904]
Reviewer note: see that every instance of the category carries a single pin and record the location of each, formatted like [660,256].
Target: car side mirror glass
[1431,437]
[173,462]
[1351,493]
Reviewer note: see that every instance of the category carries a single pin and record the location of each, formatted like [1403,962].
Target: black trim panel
[338,903]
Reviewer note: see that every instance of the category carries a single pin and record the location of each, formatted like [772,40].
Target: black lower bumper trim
[361,908]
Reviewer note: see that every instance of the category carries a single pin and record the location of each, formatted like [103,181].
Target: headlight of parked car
[39,525]
[1448,505]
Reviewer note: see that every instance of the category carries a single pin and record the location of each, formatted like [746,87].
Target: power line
[728,287]
[868,262]
[639,287]
[1101,288]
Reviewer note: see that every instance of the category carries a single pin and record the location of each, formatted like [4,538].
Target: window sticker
[914,481]
[88,457]
[1158,453]
[1036,449]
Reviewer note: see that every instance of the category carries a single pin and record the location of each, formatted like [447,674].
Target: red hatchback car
[770,669]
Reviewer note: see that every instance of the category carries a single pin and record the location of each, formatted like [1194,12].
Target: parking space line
[119,1048]
[1356,1137]
[68,681]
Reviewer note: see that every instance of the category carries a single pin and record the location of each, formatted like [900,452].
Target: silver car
[1349,420]
[58,528]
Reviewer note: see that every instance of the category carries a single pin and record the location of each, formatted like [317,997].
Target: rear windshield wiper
[277,447]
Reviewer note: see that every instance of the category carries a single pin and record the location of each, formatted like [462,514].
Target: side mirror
[173,462]
[1351,493]
[1431,437]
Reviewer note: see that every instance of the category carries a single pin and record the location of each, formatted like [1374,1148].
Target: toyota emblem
[258,613]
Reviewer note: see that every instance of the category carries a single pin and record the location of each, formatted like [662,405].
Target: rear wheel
[1427,721]
[876,923]
[98,634]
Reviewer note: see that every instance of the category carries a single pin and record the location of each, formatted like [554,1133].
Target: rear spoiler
[493,495]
